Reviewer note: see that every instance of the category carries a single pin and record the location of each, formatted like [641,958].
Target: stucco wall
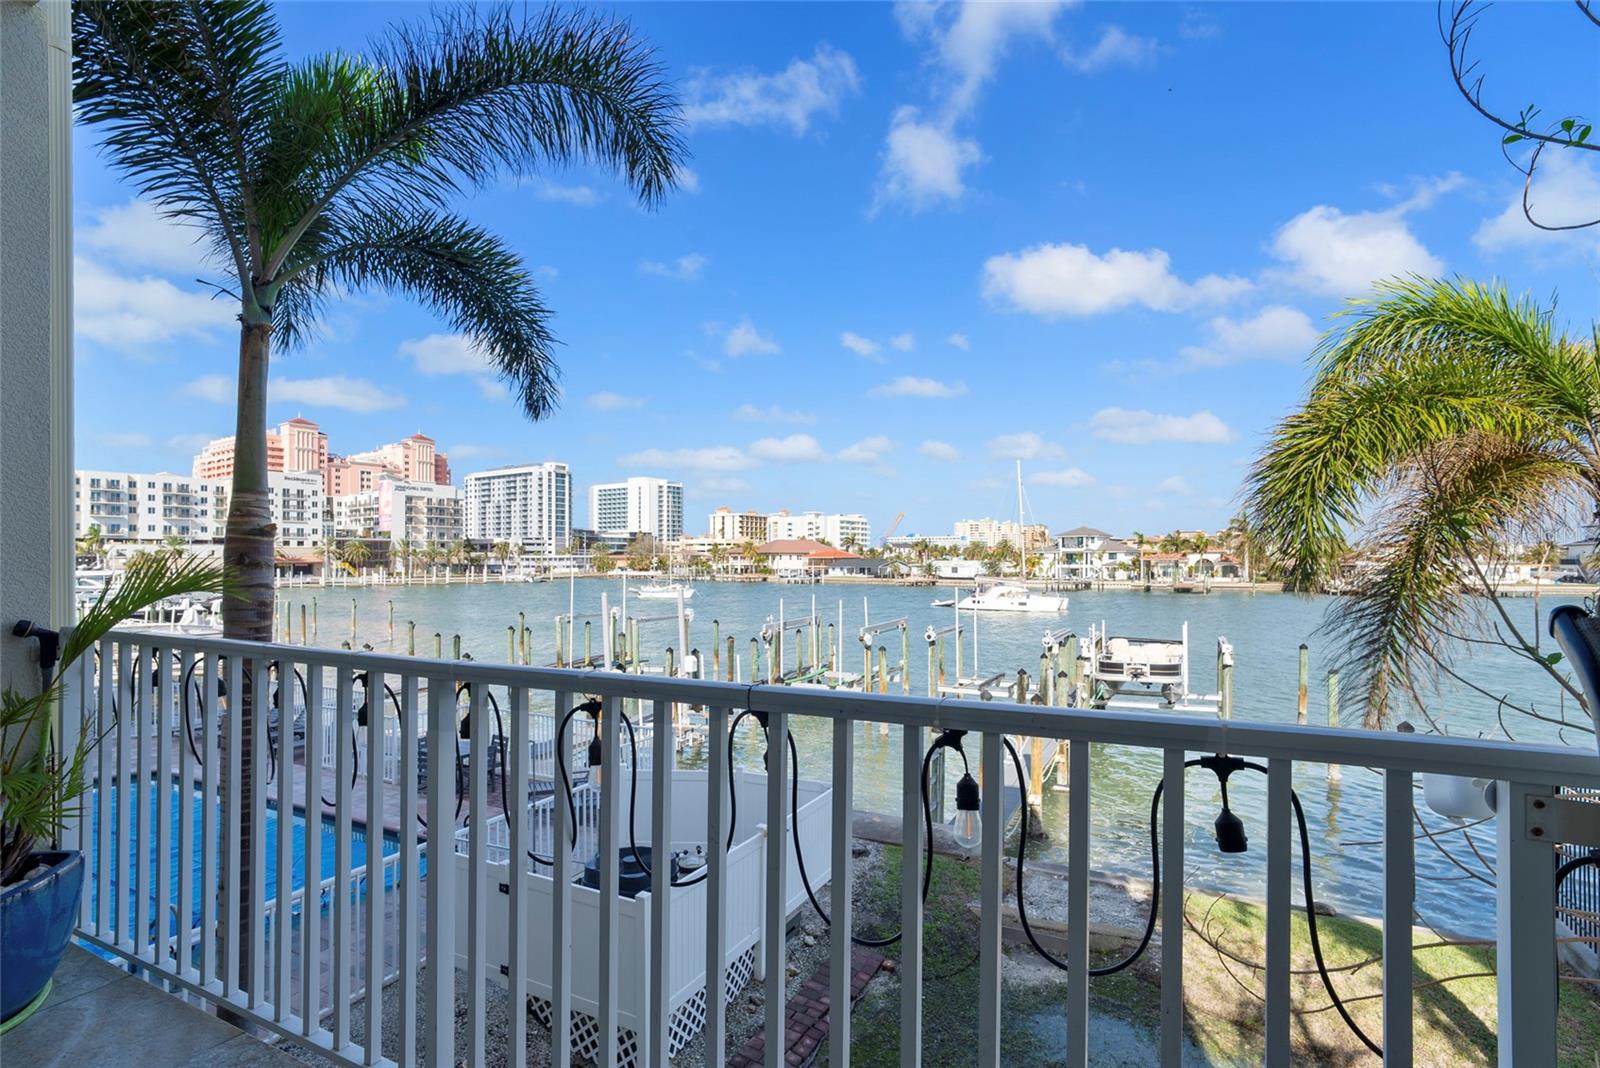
[34,443]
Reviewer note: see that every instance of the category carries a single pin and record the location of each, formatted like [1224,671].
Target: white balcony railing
[383,929]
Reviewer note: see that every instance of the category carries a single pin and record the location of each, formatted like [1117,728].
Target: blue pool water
[142,820]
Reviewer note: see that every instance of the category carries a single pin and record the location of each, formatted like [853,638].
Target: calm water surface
[1265,630]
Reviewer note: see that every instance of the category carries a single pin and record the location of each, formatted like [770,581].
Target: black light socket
[1230,832]
[968,796]
[596,753]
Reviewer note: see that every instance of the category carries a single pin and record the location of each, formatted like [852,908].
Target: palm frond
[181,88]
[1449,510]
[458,100]
[465,273]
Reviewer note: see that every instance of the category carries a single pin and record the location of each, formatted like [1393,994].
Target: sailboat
[1002,596]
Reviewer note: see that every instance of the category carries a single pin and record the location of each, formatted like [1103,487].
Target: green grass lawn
[1454,1021]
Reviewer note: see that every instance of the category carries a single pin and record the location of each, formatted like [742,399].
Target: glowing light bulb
[968,827]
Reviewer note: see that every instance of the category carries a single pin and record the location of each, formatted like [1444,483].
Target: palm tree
[333,173]
[719,556]
[355,553]
[1445,420]
[404,551]
[92,544]
[502,553]
[431,554]
[1140,540]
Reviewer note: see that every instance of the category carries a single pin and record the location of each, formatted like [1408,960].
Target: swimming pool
[142,821]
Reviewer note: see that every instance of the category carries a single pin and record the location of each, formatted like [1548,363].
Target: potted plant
[41,786]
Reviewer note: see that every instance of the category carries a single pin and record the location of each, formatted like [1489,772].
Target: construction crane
[887,534]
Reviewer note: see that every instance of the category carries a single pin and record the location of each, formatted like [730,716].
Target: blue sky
[918,242]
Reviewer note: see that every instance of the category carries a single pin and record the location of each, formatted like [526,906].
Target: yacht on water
[664,591]
[1010,597]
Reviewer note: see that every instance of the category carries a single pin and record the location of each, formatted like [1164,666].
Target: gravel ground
[808,950]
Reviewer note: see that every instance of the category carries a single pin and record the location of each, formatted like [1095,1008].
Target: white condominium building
[838,530]
[416,511]
[992,532]
[297,502]
[528,504]
[727,527]
[139,507]
[638,506]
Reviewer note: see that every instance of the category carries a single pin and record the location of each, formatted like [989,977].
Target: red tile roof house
[803,557]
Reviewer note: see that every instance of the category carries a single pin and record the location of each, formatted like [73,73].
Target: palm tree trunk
[247,548]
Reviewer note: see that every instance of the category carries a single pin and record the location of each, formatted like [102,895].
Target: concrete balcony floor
[99,1014]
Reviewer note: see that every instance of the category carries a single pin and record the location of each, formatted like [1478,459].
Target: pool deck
[99,1014]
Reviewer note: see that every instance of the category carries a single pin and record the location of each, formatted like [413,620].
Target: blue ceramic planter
[36,917]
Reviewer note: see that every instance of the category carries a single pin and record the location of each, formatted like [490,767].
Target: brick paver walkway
[806,1018]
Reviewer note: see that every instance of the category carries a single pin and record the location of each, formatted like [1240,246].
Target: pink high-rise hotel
[301,445]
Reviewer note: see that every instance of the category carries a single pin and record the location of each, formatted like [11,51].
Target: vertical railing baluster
[610,824]
[1525,945]
[343,853]
[774,942]
[913,739]
[1279,815]
[127,788]
[209,708]
[1077,936]
[410,872]
[283,985]
[376,868]
[561,821]
[477,871]
[1399,892]
[142,860]
[717,887]
[660,1013]
[441,940]
[260,704]
[514,795]
[1170,886]
[108,729]
[186,806]
[841,971]
[77,692]
[991,879]
[311,892]
[161,945]
[232,850]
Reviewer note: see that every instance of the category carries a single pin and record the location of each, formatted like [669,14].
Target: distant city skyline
[915,244]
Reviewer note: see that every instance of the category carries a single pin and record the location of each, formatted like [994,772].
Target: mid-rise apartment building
[993,532]
[727,527]
[419,512]
[838,530]
[638,505]
[149,507]
[297,506]
[526,504]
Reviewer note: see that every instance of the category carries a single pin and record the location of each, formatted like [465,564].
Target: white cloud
[940,451]
[1198,26]
[1115,47]
[454,354]
[1071,477]
[1175,484]
[745,340]
[1326,251]
[688,179]
[749,413]
[903,342]
[861,346]
[582,196]
[1134,427]
[711,458]
[137,235]
[126,439]
[923,162]
[1275,332]
[468,451]
[125,312]
[335,391]
[869,451]
[219,389]
[1566,190]
[959,341]
[684,268]
[792,97]
[724,485]
[190,443]
[1024,446]
[607,401]
[971,39]
[911,386]
[794,449]
[1055,280]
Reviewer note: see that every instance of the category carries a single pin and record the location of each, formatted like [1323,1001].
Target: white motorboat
[668,591]
[1010,597]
